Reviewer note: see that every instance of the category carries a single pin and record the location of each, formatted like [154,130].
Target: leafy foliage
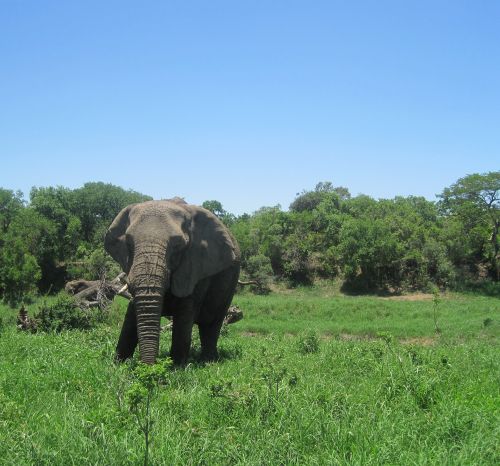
[309,343]
[390,244]
[64,313]
[19,271]
[58,236]
[259,270]
[140,394]
[405,243]
[10,204]
[310,200]
[216,208]
[475,201]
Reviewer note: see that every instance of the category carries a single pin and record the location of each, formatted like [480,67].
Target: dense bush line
[56,236]
[400,243]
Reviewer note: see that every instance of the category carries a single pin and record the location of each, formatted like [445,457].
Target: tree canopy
[393,244]
[475,201]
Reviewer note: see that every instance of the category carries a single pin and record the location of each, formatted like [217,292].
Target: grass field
[306,378]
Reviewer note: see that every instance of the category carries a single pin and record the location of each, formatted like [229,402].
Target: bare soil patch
[411,297]
[354,337]
[252,334]
[420,341]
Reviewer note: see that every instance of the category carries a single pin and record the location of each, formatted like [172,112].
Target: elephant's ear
[115,241]
[211,250]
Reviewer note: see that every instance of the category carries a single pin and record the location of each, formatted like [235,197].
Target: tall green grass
[459,315]
[286,390]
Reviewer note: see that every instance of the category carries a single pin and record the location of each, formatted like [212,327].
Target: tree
[37,236]
[27,253]
[242,231]
[10,204]
[259,269]
[414,224]
[269,227]
[369,254]
[19,271]
[97,204]
[55,205]
[80,218]
[310,200]
[475,199]
[216,208]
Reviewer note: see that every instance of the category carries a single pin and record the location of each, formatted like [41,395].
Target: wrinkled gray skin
[181,261]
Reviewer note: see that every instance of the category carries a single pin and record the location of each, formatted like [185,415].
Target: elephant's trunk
[149,280]
[148,309]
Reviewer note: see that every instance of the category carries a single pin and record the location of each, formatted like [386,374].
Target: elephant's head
[166,246]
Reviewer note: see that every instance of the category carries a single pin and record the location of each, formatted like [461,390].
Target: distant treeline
[405,243]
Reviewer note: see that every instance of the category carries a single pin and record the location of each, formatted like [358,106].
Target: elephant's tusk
[123,278]
[123,289]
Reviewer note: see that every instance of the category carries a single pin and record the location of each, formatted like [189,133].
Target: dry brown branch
[250,282]
[92,293]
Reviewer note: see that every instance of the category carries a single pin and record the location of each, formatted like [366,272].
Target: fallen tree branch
[250,282]
[234,314]
[95,292]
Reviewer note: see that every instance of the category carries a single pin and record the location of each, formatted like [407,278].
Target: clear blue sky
[249,102]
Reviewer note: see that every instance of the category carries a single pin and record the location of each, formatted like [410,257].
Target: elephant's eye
[177,241]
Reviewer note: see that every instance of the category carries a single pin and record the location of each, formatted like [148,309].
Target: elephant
[182,262]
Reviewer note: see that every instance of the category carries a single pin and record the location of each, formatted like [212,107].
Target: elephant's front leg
[182,326]
[128,336]
[209,334]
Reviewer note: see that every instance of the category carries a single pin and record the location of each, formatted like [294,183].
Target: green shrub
[309,343]
[484,287]
[19,271]
[65,313]
[259,269]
